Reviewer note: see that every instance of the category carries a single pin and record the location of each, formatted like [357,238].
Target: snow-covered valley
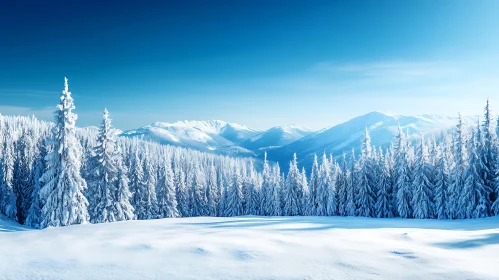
[254,248]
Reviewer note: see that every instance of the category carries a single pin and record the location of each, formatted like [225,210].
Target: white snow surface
[254,248]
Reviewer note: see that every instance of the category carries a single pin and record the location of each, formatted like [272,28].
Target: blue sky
[259,63]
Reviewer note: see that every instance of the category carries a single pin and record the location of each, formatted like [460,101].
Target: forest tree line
[54,174]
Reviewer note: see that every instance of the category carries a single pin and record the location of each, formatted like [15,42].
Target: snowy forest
[55,174]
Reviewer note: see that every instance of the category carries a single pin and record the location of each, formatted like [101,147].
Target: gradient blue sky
[258,63]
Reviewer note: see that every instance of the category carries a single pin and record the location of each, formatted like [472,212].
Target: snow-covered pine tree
[212,192]
[103,175]
[198,191]
[305,195]
[323,185]
[8,196]
[63,186]
[166,196]
[234,205]
[122,207]
[146,199]
[422,187]
[253,199]
[474,199]
[351,207]
[267,189]
[403,183]
[461,162]
[34,213]
[365,196]
[293,190]
[443,182]
[383,206]
[311,205]
[276,191]
[136,177]
[342,183]
[490,152]
[182,194]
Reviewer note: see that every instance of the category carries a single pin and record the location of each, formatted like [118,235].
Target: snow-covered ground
[254,248]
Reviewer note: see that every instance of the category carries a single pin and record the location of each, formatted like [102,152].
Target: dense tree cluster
[54,174]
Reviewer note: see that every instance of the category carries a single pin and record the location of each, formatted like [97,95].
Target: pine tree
[167,200]
[351,208]
[234,206]
[198,193]
[182,194]
[461,160]
[211,192]
[8,196]
[422,198]
[489,153]
[365,194]
[123,209]
[305,192]
[136,179]
[403,182]
[276,191]
[63,186]
[35,211]
[443,182]
[146,199]
[474,200]
[103,175]
[267,189]
[384,206]
[293,193]
[311,206]
[342,183]
[323,185]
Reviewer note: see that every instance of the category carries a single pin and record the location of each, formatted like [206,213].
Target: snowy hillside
[210,136]
[254,248]
[348,135]
[276,137]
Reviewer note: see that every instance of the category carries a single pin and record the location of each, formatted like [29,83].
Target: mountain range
[282,141]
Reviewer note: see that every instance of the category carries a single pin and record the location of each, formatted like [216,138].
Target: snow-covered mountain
[213,135]
[347,136]
[282,141]
[276,137]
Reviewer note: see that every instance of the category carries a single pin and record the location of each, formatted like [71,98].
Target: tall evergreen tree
[167,198]
[442,183]
[365,195]
[403,182]
[146,199]
[182,194]
[323,185]
[311,206]
[211,192]
[7,192]
[474,199]
[63,186]
[422,187]
[342,183]
[461,160]
[122,206]
[293,192]
[351,207]
[103,175]
[234,205]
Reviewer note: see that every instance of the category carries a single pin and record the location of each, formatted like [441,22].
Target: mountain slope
[347,136]
[214,135]
[276,137]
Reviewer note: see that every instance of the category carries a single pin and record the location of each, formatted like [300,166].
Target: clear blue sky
[259,63]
